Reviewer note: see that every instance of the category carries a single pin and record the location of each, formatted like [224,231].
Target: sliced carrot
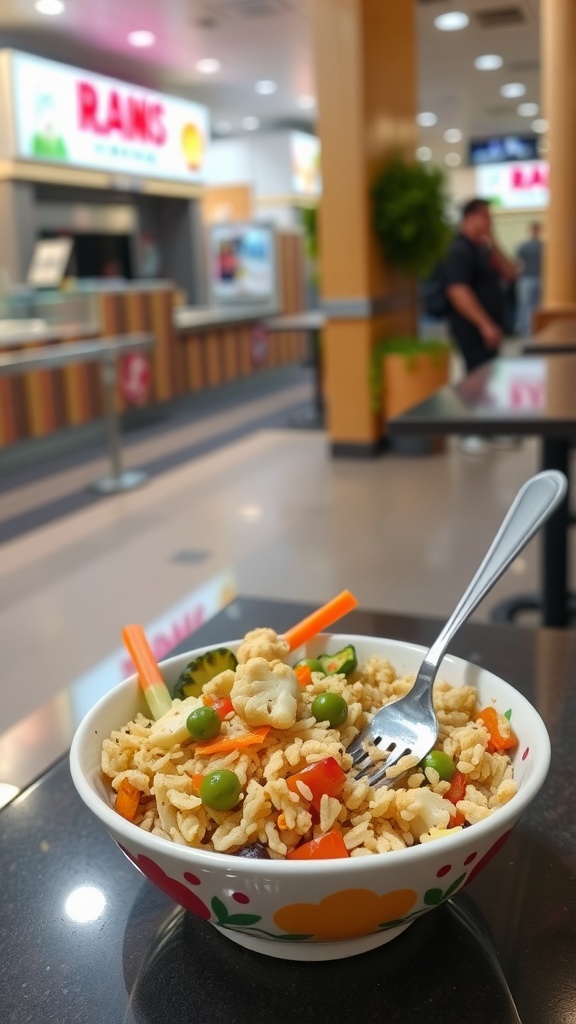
[197,781]
[327,847]
[281,821]
[254,738]
[320,619]
[491,719]
[303,674]
[155,690]
[127,800]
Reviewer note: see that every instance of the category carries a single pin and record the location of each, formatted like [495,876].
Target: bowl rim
[500,822]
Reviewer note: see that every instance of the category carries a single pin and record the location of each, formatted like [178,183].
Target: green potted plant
[409,219]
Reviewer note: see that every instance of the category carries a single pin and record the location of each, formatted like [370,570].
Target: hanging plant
[409,208]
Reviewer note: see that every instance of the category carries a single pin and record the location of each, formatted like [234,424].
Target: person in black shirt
[475,273]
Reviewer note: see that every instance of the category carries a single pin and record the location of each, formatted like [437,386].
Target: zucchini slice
[344,661]
[312,663]
[194,677]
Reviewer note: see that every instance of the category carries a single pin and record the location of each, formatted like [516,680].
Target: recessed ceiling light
[49,7]
[527,109]
[426,119]
[540,126]
[452,21]
[223,127]
[266,87]
[453,159]
[251,123]
[453,135]
[512,90]
[423,153]
[208,65]
[488,62]
[141,38]
[306,102]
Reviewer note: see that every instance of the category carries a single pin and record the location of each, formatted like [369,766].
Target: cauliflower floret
[262,643]
[432,811]
[171,729]
[265,694]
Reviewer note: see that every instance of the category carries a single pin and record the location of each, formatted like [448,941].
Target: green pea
[220,789]
[330,707]
[441,763]
[312,663]
[203,723]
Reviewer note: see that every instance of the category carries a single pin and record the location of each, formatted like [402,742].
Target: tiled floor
[404,534]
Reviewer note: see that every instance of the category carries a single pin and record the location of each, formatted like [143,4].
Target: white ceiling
[257,39]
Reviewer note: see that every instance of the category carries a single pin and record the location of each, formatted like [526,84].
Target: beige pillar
[558,20]
[365,62]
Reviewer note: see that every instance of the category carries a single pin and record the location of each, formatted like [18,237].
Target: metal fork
[409,725]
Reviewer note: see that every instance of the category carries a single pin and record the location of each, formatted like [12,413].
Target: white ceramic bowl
[316,910]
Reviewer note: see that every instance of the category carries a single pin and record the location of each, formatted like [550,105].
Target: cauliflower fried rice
[164,763]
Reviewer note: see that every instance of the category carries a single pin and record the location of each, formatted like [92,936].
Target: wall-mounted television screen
[502,148]
[242,264]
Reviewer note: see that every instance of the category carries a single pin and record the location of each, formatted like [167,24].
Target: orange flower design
[346,914]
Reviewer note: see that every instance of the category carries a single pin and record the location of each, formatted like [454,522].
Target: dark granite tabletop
[85,938]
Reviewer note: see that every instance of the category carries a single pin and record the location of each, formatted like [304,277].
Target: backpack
[434,296]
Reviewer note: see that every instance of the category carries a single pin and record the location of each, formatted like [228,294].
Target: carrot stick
[127,800]
[303,675]
[320,619]
[249,739]
[155,690]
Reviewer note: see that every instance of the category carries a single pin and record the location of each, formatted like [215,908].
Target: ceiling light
[540,126]
[512,90]
[488,62]
[453,159]
[453,135]
[423,153]
[141,38]
[306,102]
[266,87]
[49,7]
[527,109]
[426,119]
[208,66]
[251,123]
[452,21]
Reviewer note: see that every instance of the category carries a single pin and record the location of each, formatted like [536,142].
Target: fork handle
[534,503]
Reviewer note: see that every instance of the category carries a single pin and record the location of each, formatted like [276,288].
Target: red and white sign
[68,116]
[134,377]
[515,185]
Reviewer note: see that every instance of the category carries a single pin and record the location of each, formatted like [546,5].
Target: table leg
[313,420]
[556,455]
[553,601]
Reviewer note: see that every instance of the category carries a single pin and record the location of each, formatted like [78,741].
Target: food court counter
[194,349]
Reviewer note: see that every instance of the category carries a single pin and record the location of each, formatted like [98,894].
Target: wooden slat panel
[231,355]
[196,376]
[214,367]
[8,418]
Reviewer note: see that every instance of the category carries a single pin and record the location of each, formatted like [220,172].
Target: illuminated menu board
[63,115]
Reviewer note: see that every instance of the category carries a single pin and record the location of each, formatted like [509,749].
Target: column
[365,64]
[558,27]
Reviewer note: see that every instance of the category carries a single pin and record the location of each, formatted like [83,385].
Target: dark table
[145,960]
[519,397]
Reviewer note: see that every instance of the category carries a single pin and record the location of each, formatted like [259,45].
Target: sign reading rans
[68,116]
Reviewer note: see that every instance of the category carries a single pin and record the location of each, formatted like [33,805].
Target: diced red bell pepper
[324,777]
[327,847]
[222,705]
[457,789]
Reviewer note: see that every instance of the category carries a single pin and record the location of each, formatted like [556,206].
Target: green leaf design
[455,885]
[243,919]
[219,909]
[432,897]
[508,714]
